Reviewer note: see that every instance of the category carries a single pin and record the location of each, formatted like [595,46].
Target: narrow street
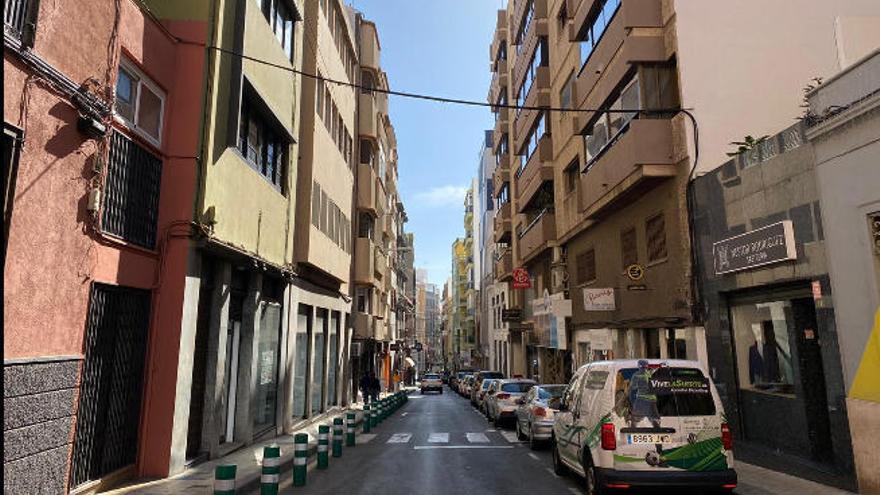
[437,444]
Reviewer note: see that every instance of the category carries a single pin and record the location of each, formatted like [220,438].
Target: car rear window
[517,387]
[492,374]
[432,377]
[486,384]
[545,393]
[676,391]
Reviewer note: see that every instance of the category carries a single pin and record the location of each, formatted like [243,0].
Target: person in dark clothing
[375,386]
[365,385]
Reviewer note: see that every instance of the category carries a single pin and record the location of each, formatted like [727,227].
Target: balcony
[498,86]
[500,37]
[538,23]
[366,194]
[538,169]
[635,35]
[369,46]
[388,224]
[502,224]
[364,326]
[502,123]
[636,161]
[501,176]
[538,96]
[380,264]
[368,119]
[504,265]
[364,261]
[537,236]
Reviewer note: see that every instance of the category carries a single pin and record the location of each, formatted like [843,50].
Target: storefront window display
[764,360]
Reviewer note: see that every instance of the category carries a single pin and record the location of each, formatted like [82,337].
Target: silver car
[502,396]
[480,395]
[535,414]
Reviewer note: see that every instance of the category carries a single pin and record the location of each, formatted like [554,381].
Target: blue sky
[438,47]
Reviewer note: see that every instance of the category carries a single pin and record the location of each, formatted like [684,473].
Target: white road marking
[400,438]
[491,429]
[403,414]
[533,456]
[477,438]
[426,447]
[438,438]
[551,472]
[574,490]
[365,437]
[509,436]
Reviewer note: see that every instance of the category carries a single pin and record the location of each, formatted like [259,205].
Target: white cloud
[442,196]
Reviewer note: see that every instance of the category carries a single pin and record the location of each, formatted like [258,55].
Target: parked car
[501,399]
[479,376]
[480,393]
[643,423]
[466,385]
[431,382]
[536,412]
[460,382]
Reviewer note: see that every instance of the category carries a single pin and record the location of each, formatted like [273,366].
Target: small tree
[747,144]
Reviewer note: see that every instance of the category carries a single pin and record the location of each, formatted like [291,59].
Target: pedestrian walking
[374,386]
[366,385]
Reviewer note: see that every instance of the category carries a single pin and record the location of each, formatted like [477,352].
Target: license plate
[651,438]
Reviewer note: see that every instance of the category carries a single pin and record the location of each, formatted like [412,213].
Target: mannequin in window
[756,357]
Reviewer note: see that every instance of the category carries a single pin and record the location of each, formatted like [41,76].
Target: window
[503,194]
[655,233]
[17,15]
[597,22]
[502,149]
[539,59]
[586,266]
[11,149]
[571,176]
[261,144]
[566,94]
[609,126]
[281,18]
[677,391]
[628,247]
[140,103]
[524,25]
[131,193]
[562,19]
[531,144]
[319,97]
[659,85]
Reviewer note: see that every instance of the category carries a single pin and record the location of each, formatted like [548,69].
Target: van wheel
[593,487]
[558,467]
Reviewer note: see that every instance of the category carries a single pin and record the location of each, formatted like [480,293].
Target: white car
[502,397]
[537,412]
[639,423]
[431,381]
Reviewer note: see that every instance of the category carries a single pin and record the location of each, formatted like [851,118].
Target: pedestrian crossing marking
[509,436]
[477,438]
[427,447]
[438,438]
[400,438]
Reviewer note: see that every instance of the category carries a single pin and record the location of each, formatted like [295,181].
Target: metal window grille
[655,231]
[15,14]
[112,382]
[131,194]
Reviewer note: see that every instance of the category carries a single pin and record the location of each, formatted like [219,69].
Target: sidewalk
[199,479]
[755,480]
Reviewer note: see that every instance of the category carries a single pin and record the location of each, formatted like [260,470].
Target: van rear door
[671,420]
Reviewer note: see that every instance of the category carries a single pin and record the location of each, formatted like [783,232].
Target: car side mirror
[563,406]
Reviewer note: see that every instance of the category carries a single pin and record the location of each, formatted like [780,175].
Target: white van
[633,423]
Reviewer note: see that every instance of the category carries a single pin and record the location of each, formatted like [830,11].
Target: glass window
[303,323]
[517,388]
[597,24]
[763,349]
[139,102]
[332,372]
[317,385]
[267,368]
[126,91]
[661,392]
[261,144]
[550,392]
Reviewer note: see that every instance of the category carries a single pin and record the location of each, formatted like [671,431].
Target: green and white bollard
[367,419]
[271,470]
[349,429]
[337,437]
[323,446]
[374,415]
[300,458]
[224,480]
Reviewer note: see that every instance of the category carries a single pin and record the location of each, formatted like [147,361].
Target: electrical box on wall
[94,203]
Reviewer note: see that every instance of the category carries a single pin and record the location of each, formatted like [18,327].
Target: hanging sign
[521,279]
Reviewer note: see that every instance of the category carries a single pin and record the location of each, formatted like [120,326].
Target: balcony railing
[15,16]
[537,234]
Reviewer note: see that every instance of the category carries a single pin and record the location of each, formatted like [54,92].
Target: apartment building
[100,169]
[593,203]
[460,326]
[379,217]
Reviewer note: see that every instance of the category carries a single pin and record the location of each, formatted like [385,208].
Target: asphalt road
[437,444]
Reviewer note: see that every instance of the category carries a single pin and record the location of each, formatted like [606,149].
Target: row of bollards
[224,475]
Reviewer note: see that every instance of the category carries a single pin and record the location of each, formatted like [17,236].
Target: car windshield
[545,393]
[656,392]
[517,387]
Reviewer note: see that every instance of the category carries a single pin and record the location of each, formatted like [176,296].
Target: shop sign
[599,299]
[521,279]
[771,244]
[513,314]
[600,339]
[635,272]
[395,347]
